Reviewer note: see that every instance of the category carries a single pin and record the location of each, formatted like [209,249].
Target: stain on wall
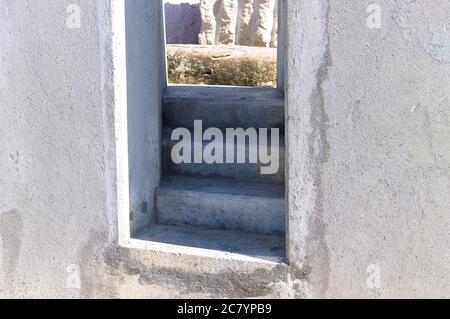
[11,228]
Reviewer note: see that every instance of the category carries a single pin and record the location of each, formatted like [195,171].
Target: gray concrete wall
[58,190]
[368,169]
[55,205]
[368,123]
[146,80]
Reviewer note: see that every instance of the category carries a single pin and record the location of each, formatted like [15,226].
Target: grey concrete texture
[265,247]
[368,126]
[219,203]
[367,175]
[247,171]
[145,84]
[223,107]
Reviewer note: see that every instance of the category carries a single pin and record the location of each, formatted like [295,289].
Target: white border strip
[120,118]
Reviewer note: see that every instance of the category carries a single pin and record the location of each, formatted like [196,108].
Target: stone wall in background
[223,22]
[183,23]
[241,22]
[222,65]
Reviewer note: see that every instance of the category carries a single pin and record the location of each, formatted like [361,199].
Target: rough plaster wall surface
[144,86]
[307,60]
[5,46]
[368,136]
[386,182]
[52,136]
[368,127]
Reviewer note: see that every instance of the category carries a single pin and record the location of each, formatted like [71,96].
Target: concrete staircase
[231,197]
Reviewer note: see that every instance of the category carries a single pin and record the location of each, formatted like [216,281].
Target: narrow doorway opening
[222,42]
[222,145]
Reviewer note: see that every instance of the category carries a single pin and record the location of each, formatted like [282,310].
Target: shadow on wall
[183,23]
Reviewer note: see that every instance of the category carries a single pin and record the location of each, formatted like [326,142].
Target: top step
[223,107]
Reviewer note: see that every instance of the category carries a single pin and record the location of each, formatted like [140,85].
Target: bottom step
[266,247]
[222,204]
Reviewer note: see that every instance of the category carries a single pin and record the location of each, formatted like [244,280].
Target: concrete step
[268,247]
[246,171]
[221,204]
[223,107]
